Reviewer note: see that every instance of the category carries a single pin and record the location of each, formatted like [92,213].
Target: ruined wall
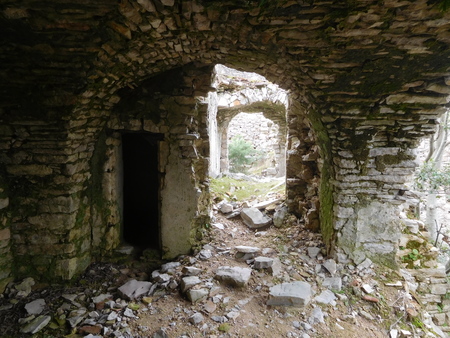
[367,80]
[163,105]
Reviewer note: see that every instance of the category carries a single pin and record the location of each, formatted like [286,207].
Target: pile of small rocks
[290,272]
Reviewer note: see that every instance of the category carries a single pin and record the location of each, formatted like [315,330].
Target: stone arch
[238,92]
[367,80]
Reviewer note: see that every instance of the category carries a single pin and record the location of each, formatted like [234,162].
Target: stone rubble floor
[94,306]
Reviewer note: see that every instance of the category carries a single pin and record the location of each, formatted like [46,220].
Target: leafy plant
[432,180]
[242,154]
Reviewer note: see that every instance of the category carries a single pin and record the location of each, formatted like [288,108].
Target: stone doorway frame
[150,137]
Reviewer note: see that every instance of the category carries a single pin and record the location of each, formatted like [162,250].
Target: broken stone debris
[290,294]
[244,253]
[36,325]
[226,208]
[254,218]
[279,216]
[35,307]
[263,262]
[134,289]
[235,276]
[189,282]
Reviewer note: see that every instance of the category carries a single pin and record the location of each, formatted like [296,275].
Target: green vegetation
[224,327]
[242,155]
[431,179]
[241,190]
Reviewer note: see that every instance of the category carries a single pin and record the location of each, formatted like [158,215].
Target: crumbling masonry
[366,80]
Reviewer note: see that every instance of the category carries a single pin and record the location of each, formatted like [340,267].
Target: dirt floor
[256,319]
[169,312]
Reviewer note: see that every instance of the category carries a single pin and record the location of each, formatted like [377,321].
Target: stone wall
[263,135]
[366,81]
[238,91]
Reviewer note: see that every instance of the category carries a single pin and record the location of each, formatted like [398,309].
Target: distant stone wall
[263,135]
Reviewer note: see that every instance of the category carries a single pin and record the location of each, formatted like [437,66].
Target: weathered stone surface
[191,271]
[196,295]
[55,139]
[254,218]
[331,266]
[226,208]
[247,249]
[279,216]
[36,325]
[290,294]
[189,282]
[134,289]
[235,276]
[326,297]
[313,251]
[35,307]
[169,267]
[333,283]
[196,318]
[263,262]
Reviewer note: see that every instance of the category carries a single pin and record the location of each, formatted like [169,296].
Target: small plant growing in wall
[241,154]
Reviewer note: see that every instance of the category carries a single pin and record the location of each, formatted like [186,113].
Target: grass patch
[242,190]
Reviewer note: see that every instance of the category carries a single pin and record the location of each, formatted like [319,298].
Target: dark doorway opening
[141,181]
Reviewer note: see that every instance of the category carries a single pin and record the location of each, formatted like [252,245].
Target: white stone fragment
[235,276]
[254,218]
[290,294]
[134,289]
[35,307]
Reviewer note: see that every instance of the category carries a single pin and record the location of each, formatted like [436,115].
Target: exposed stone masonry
[367,80]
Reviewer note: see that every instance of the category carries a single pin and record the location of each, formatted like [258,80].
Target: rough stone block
[35,307]
[134,289]
[290,294]
[263,262]
[235,276]
[196,295]
[439,289]
[189,282]
[5,234]
[254,218]
[333,283]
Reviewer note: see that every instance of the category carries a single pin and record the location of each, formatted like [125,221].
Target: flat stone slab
[134,289]
[196,295]
[226,208]
[35,307]
[191,271]
[290,294]
[254,218]
[263,262]
[326,297]
[247,249]
[36,325]
[189,282]
[333,283]
[235,276]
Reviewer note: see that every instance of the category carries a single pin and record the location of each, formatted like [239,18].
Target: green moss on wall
[325,189]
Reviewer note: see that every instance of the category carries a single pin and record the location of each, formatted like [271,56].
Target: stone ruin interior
[111,121]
